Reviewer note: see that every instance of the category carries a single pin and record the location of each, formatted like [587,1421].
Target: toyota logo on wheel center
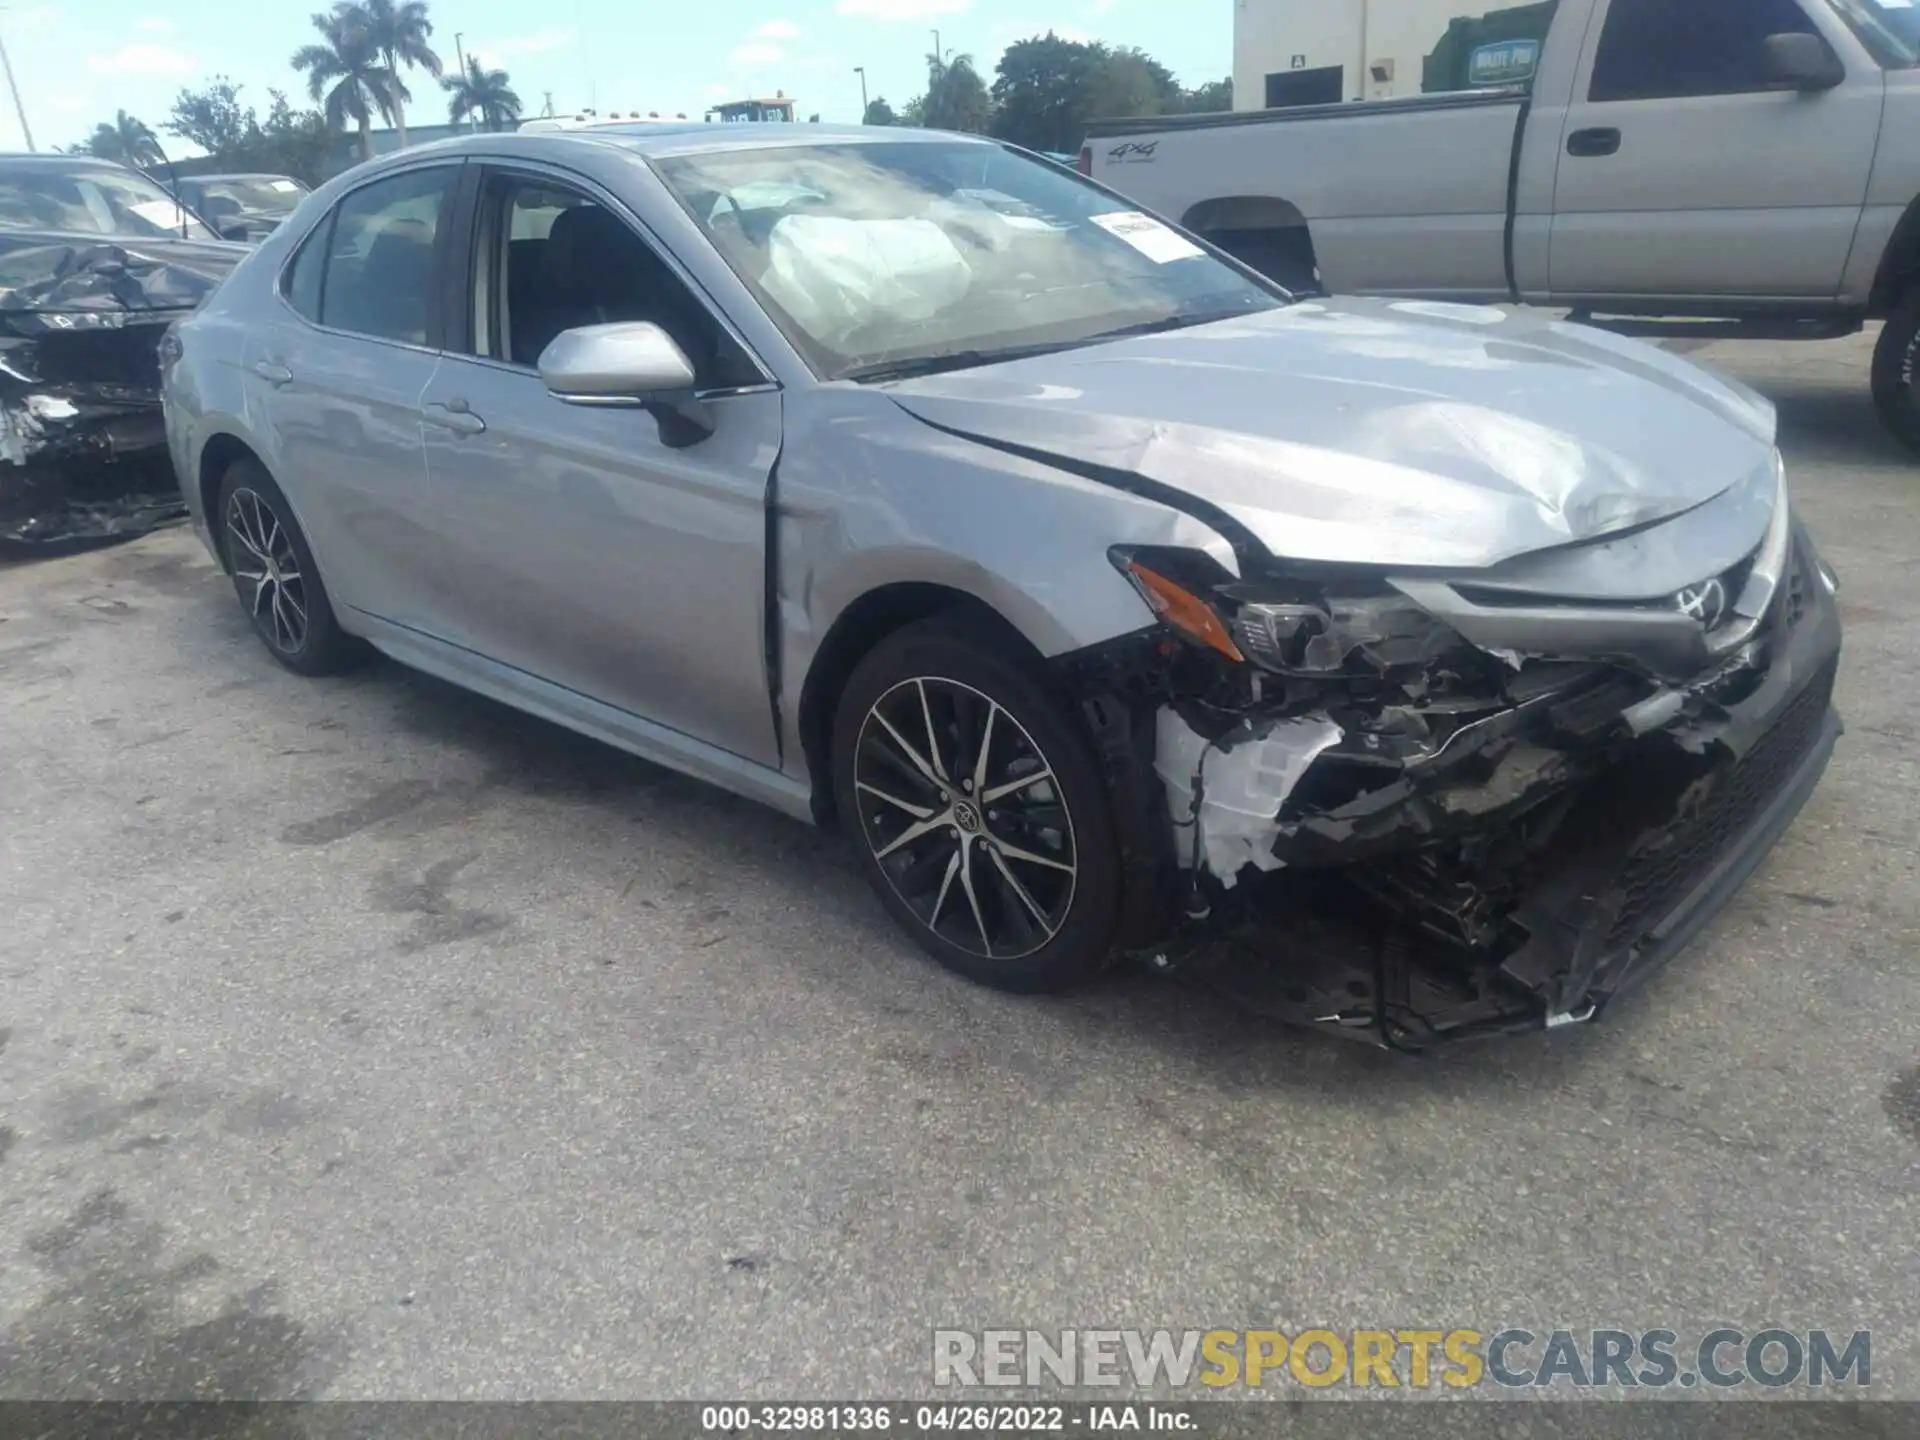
[966,817]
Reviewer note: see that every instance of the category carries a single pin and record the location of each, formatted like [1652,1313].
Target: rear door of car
[335,379]
[578,545]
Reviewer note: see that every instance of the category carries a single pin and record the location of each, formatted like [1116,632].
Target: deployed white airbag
[834,275]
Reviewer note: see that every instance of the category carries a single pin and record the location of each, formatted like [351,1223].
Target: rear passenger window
[1666,49]
[379,269]
[301,282]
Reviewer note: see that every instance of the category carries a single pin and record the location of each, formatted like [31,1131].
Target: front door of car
[1681,173]
[335,380]
[577,545]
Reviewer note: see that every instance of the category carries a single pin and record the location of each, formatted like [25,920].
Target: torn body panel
[1396,835]
[83,452]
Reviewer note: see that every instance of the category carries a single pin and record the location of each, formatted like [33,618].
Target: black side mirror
[1797,61]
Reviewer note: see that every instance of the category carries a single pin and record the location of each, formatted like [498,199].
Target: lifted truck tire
[1896,372]
[1003,868]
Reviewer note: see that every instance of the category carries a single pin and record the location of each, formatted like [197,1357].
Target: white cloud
[142,60]
[901,9]
[778,30]
[757,52]
[538,43]
[34,18]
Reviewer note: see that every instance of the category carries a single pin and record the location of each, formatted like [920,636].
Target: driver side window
[557,259]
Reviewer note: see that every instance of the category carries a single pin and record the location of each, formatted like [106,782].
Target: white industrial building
[1313,52]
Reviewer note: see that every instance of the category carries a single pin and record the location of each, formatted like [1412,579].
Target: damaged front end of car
[83,452]
[1415,808]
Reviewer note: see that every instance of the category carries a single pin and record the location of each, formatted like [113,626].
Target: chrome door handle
[454,416]
[275,375]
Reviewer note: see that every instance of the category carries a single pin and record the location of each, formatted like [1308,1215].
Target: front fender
[866,497]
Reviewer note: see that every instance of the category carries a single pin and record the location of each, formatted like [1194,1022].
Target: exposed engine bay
[1383,829]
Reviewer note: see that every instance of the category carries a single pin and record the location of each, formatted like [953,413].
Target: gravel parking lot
[363,1039]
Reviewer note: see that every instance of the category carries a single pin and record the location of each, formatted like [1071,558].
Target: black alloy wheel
[982,821]
[274,575]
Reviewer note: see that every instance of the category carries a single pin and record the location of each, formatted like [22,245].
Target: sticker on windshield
[163,213]
[284,185]
[1159,243]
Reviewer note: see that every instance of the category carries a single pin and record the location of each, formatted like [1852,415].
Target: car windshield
[91,201]
[880,258]
[255,194]
[1888,28]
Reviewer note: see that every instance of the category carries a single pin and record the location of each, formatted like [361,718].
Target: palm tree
[399,34]
[127,139]
[349,63]
[482,92]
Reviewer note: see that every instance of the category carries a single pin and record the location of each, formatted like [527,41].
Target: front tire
[274,575]
[980,816]
[1896,373]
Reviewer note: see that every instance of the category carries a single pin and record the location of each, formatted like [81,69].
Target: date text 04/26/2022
[937,1418]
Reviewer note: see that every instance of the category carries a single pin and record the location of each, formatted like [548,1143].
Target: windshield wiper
[1166,323]
[912,366]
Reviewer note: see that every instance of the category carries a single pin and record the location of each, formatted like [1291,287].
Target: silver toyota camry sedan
[1411,670]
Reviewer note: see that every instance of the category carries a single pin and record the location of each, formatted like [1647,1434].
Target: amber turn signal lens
[1184,611]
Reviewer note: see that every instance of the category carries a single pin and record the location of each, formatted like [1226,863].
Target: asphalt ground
[365,1039]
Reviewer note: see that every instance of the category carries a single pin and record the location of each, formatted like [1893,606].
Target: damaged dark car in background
[1412,671]
[96,261]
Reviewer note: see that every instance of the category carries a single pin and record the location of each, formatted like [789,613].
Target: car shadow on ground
[1833,421]
[1192,1033]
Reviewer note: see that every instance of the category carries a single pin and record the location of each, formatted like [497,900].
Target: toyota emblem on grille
[1705,602]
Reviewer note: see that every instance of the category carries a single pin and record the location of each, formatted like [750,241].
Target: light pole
[861,71]
[19,106]
[460,54]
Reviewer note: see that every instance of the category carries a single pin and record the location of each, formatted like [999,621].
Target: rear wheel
[1896,372]
[981,818]
[274,575]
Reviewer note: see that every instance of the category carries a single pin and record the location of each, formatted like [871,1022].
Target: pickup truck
[1716,168]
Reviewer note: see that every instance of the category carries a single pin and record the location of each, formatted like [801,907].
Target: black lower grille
[1655,880]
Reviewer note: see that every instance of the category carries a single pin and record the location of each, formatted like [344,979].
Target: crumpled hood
[1401,434]
[103,282]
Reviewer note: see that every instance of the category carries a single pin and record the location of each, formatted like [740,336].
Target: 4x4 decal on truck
[1132,152]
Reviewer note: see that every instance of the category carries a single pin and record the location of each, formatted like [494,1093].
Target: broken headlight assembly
[1307,626]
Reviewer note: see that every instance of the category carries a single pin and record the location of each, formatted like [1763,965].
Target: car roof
[59,161]
[239,175]
[654,137]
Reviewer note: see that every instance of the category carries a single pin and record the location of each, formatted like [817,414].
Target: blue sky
[76,62]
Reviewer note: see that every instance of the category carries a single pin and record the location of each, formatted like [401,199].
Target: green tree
[1040,91]
[914,112]
[483,93]
[345,74]
[956,97]
[401,36]
[1210,98]
[1128,83]
[126,139]
[212,117]
[289,142]
[879,112]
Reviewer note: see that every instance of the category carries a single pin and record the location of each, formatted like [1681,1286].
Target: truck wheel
[1896,373]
